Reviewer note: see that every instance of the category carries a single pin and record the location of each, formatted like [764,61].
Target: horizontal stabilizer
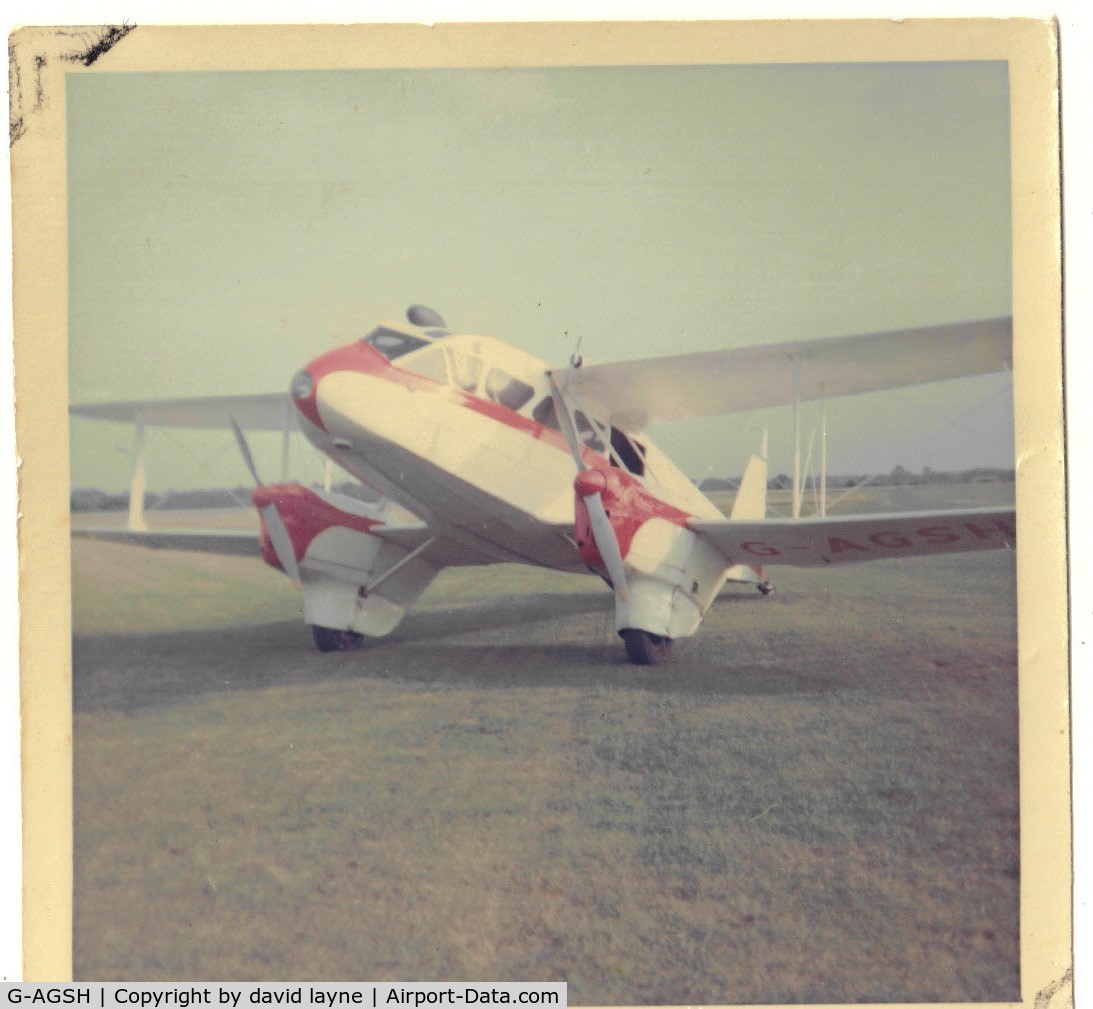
[815,542]
[633,394]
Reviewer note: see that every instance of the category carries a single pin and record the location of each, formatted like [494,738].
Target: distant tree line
[91,499]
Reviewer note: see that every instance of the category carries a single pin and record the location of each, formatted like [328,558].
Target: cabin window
[466,370]
[507,390]
[546,414]
[391,344]
[632,453]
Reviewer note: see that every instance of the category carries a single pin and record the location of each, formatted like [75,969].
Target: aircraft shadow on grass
[131,671]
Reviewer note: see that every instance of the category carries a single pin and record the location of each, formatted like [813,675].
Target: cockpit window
[507,390]
[391,344]
[632,453]
[429,363]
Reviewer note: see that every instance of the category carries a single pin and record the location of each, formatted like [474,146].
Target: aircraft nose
[302,384]
[306,383]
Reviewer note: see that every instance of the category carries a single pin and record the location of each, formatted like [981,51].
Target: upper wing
[263,411]
[633,394]
[813,542]
[271,411]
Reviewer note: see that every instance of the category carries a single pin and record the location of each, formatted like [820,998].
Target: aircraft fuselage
[459,432]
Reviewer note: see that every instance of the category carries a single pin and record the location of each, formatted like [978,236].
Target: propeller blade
[566,422]
[608,544]
[282,543]
[275,525]
[245,449]
[603,533]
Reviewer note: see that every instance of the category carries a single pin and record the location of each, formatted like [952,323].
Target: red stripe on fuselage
[628,503]
[365,359]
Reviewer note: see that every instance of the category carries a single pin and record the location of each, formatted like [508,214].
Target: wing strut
[823,452]
[398,565]
[136,521]
[285,440]
[821,507]
[796,502]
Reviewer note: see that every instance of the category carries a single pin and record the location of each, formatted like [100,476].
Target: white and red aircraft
[483,454]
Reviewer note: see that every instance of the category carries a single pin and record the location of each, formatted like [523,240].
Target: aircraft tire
[645,649]
[330,639]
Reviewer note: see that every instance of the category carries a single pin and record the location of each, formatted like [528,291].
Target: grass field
[816,801]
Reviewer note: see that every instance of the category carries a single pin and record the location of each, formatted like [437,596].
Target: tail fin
[751,503]
[751,498]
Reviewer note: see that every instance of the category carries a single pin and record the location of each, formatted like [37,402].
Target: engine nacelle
[339,566]
[674,576]
[352,579]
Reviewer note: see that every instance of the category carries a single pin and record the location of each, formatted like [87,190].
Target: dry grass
[816,801]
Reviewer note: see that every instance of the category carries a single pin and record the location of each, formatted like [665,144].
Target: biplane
[480,453]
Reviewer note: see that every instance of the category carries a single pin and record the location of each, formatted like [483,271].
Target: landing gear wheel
[767,588]
[330,639]
[645,649]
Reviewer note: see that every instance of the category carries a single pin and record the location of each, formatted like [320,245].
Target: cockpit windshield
[391,344]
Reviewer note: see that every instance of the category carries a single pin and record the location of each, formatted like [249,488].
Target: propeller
[244,448]
[275,526]
[589,486]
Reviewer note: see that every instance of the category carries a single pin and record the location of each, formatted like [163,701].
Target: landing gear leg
[645,649]
[330,639]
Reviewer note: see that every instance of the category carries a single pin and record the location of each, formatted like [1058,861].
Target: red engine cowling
[628,505]
[305,515]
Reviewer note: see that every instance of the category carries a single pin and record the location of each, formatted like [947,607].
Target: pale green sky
[227,227]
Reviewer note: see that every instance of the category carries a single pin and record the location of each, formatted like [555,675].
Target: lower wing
[814,542]
[359,567]
[403,536]
[237,543]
